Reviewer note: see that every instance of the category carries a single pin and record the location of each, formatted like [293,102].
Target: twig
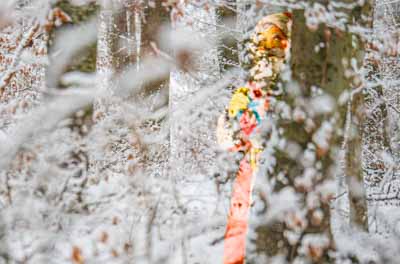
[5,79]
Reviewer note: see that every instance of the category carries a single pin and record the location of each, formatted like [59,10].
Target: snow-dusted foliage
[195,101]
[381,146]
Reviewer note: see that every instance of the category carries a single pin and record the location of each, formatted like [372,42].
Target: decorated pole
[239,129]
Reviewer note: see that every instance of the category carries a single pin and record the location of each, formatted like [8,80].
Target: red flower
[256,93]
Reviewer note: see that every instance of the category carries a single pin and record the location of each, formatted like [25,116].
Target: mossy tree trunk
[311,118]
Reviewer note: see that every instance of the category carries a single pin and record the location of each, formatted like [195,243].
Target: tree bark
[306,159]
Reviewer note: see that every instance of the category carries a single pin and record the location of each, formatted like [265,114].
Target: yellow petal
[242,90]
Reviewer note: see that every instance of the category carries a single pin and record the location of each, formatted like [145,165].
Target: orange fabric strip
[236,229]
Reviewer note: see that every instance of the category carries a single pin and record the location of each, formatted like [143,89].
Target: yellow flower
[254,157]
[242,90]
[239,101]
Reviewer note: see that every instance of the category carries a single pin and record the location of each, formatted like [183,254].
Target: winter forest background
[108,119]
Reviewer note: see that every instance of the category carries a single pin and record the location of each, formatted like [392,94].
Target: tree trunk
[193,153]
[125,36]
[310,119]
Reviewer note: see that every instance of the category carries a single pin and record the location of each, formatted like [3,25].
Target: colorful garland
[239,130]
